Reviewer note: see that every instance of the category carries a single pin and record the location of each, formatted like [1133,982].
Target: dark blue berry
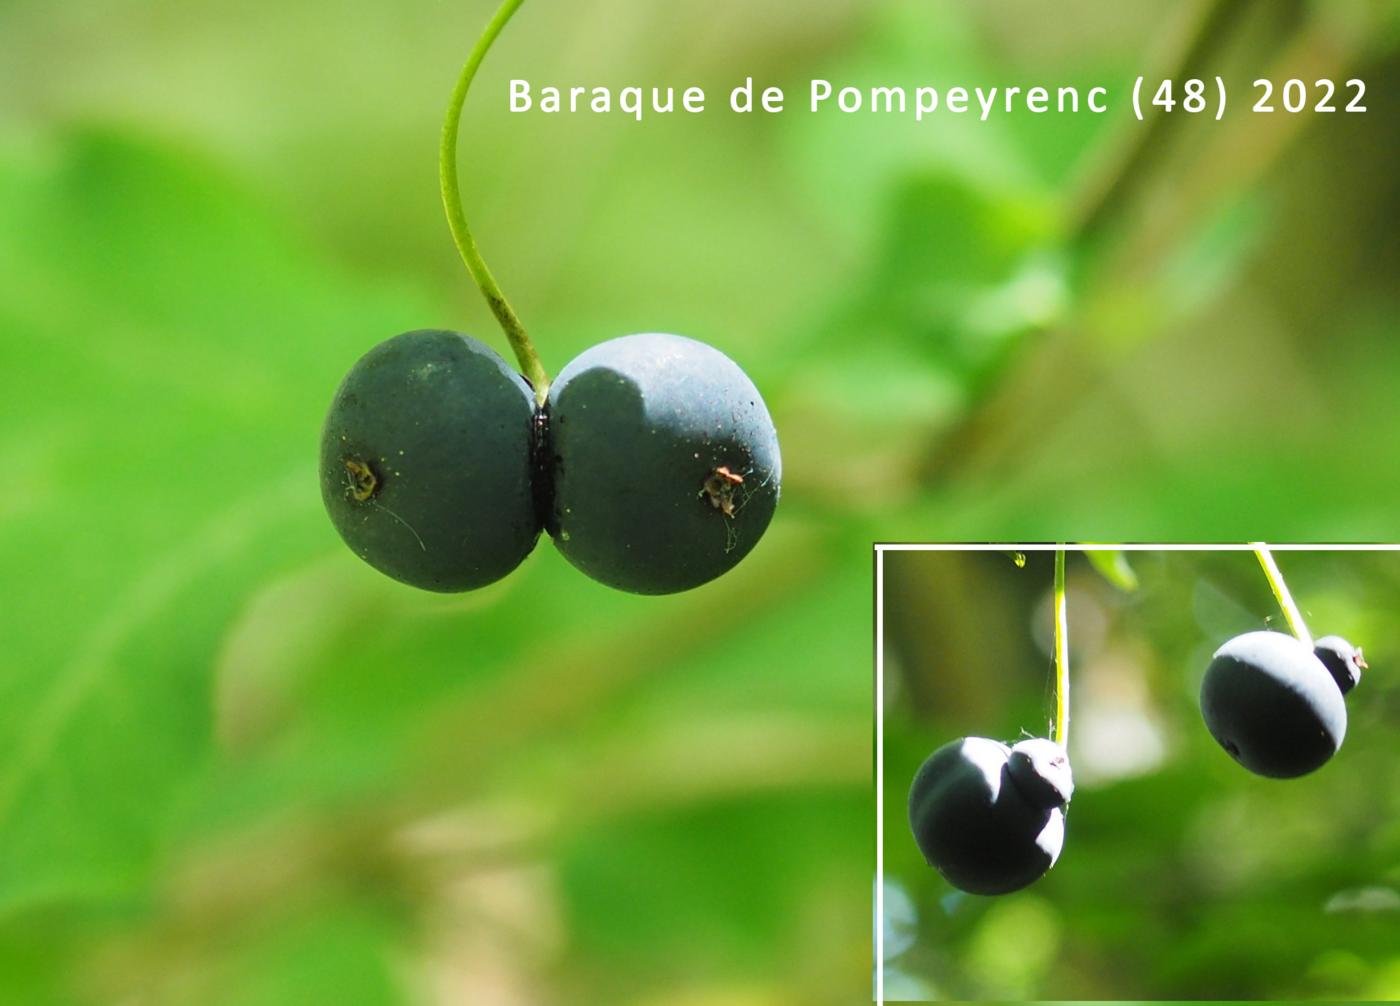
[1342,660]
[426,467]
[988,817]
[1272,705]
[665,467]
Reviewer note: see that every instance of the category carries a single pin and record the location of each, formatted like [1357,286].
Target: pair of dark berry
[653,462]
[1275,705]
[990,817]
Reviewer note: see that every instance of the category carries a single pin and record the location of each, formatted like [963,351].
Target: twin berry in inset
[990,817]
[652,462]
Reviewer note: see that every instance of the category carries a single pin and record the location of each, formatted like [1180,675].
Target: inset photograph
[1146,772]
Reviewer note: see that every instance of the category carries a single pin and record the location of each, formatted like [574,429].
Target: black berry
[426,462]
[1342,660]
[1273,705]
[665,465]
[988,817]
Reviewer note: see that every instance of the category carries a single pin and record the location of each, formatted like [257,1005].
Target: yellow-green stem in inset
[525,353]
[1061,653]
[1291,614]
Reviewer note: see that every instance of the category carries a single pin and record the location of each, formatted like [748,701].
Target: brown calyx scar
[719,489]
[364,483]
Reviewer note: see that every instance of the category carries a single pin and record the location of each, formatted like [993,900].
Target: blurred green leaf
[1113,565]
[155,322]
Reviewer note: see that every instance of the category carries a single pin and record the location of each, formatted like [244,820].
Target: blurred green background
[238,766]
[1183,876]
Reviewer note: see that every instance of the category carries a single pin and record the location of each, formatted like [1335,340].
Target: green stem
[457,218]
[1291,614]
[1061,653]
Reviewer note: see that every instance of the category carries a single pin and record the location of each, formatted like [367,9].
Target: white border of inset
[880,550]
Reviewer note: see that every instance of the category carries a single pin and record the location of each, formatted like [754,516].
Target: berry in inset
[1342,660]
[1272,705]
[988,817]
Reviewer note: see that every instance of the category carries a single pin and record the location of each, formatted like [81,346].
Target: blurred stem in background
[1127,170]
[1115,247]
[510,322]
[1281,593]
